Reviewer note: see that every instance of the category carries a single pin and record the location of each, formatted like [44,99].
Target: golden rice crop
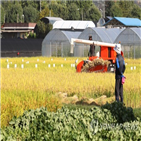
[31,87]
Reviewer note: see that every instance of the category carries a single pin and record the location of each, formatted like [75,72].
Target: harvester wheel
[111,68]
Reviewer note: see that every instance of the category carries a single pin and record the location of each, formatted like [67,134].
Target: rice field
[29,83]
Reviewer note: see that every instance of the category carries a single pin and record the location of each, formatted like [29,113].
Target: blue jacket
[120,66]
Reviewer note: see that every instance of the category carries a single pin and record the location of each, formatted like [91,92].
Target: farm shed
[130,39]
[57,42]
[73,25]
[98,34]
[124,22]
[51,20]
[16,30]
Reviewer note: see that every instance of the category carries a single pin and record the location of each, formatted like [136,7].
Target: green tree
[59,10]
[83,7]
[6,4]
[73,12]
[62,11]
[126,7]
[30,14]
[16,1]
[54,7]
[93,13]
[44,4]
[42,29]
[33,3]
[53,2]
[136,12]
[2,15]
[14,13]
[62,2]
[108,5]
[122,8]
[84,4]
[45,12]
[116,11]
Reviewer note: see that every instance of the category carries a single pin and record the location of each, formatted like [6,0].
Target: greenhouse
[57,42]
[107,35]
[130,39]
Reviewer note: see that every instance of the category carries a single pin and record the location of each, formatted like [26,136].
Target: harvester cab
[102,61]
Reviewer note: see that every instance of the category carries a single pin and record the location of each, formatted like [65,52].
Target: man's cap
[117,48]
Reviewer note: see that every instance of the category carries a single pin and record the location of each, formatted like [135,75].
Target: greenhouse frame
[107,35]
[57,43]
[130,39]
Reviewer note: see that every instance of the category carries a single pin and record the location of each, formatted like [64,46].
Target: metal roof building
[16,30]
[72,25]
[124,22]
[51,20]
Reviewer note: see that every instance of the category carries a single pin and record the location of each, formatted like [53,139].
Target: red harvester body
[106,53]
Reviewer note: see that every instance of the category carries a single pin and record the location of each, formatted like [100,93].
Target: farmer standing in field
[92,48]
[120,68]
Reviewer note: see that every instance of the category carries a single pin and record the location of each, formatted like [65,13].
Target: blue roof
[131,22]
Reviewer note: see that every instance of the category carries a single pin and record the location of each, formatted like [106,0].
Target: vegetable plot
[99,123]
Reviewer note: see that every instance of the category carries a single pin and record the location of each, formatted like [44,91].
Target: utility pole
[17,18]
[82,14]
[4,18]
[50,13]
[101,13]
[50,8]
[40,5]
[23,18]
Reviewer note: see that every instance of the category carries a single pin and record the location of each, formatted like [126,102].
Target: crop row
[110,122]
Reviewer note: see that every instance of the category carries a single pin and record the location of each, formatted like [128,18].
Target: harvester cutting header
[101,61]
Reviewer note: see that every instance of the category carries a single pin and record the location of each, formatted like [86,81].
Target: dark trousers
[119,90]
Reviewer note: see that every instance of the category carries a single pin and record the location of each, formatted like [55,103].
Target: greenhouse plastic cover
[58,39]
[61,35]
[101,34]
[73,24]
[130,36]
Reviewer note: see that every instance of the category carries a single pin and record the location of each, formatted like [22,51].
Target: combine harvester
[104,61]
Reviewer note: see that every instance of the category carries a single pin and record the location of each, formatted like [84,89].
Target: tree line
[32,11]
[123,9]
